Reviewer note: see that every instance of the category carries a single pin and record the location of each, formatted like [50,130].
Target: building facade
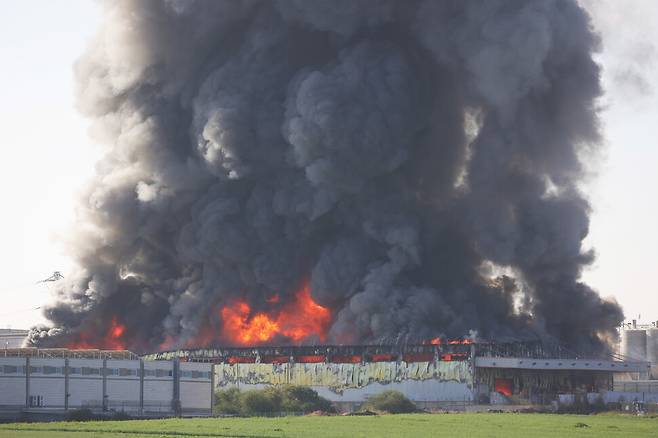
[640,342]
[442,376]
[12,338]
[60,380]
[182,382]
[429,384]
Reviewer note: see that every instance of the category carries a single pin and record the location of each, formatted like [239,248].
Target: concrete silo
[652,345]
[652,350]
[634,344]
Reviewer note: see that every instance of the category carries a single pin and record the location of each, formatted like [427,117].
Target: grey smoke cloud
[256,145]
[629,51]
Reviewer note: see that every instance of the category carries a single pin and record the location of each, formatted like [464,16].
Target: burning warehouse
[453,374]
[439,375]
[304,173]
[299,172]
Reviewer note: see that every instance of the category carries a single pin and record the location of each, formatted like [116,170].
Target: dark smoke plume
[417,162]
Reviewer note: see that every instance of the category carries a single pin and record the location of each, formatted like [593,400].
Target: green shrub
[392,402]
[227,402]
[257,402]
[303,399]
[271,400]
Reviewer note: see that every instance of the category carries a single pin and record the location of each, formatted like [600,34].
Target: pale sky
[47,155]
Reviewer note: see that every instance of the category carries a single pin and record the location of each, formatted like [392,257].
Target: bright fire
[298,320]
[460,341]
[111,341]
[439,341]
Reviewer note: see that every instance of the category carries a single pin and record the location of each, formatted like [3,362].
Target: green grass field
[410,425]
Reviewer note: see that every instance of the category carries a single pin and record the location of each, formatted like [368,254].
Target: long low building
[448,375]
[12,338]
[435,376]
[59,380]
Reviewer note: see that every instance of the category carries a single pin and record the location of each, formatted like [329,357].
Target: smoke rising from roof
[396,155]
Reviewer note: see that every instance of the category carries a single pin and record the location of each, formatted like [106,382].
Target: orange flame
[298,320]
[111,341]
[461,341]
[168,343]
[439,341]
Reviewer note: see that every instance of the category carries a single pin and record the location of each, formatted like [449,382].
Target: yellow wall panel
[339,377]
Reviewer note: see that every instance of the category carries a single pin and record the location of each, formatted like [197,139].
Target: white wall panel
[12,361]
[12,385]
[12,391]
[158,386]
[51,389]
[122,385]
[195,382]
[122,395]
[195,395]
[47,381]
[86,390]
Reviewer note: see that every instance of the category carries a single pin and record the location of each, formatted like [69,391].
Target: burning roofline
[458,350]
[428,350]
[320,353]
[395,351]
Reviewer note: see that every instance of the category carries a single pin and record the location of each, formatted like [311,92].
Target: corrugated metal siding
[85,390]
[47,381]
[12,385]
[12,391]
[195,390]
[195,395]
[122,385]
[158,390]
[122,395]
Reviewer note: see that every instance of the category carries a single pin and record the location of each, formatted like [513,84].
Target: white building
[640,342]
[58,380]
[11,338]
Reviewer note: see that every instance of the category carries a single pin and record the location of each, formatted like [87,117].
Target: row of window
[39,401]
[90,371]
[195,374]
[123,372]
[158,373]
[11,369]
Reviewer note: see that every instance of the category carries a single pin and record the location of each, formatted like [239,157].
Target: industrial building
[448,375]
[12,338]
[38,381]
[639,342]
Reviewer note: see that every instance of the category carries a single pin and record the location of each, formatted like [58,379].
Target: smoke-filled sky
[49,156]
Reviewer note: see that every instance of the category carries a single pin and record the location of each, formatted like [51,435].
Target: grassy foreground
[407,425]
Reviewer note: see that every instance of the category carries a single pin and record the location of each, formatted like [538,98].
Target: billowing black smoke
[418,162]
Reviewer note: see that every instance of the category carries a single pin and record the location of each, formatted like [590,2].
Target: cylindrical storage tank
[652,346]
[634,344]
